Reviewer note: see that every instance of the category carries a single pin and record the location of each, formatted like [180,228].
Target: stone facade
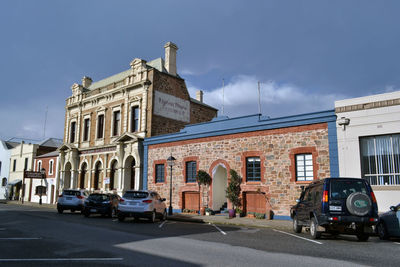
[276,149]
[106,122]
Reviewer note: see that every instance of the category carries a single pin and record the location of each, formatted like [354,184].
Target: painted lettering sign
[171,107]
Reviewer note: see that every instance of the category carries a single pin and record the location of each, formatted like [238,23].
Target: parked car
[142,204]
[389,223]
[336,206]
[71,199]
[101,203]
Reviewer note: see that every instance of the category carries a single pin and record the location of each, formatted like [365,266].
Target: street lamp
[171,162]
[43,172]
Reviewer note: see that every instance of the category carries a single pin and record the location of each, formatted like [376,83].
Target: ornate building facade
[106,122]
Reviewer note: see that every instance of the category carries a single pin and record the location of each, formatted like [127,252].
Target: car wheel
[382,231]
[121,217]
[60,210]
[153,217]
[296,226]
[164,215]
[313,229]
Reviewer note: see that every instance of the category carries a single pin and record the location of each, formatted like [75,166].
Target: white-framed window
[39,165]
[304,167]
[116,122]
[100,125]
[51,167]
[380,159]
[86,128]
[135,118]
[72,131]
[253,169]
[41,190]
[14,165]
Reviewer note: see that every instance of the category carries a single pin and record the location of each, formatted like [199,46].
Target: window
[134,119]
[0,167]
[100,126]
[160,173]
[4,182]
[304,167]
[39,166]
[51,163]
[380,159]
[191,169]
[72,132]
[253,169]
[26,164]
[14,165]
[41,190]
[116,121]
[86,125]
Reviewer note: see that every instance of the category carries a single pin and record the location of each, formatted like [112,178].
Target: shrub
[233,189]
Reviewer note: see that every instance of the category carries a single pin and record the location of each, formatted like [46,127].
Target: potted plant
[203,178]
[208,212]
[233,192]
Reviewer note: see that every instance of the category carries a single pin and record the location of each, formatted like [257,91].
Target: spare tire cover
[358,204]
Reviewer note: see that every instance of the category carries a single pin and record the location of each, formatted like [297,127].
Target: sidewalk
[195,218]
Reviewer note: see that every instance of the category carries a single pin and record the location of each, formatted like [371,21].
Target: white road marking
[161,224]
[63,259]
[298,237]
[222,232]
[114,220]
[397,243]
[20,238]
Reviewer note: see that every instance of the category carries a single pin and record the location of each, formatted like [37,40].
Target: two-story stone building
[106,122]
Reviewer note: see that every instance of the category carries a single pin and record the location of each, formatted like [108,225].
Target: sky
[305,54]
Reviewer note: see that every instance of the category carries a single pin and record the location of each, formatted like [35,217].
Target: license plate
[93,210]
[335,208]
[69,198]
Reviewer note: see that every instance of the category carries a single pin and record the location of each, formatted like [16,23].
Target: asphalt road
[32,236]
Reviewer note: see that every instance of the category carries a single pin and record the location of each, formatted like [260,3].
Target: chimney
[170,57]
[86,81]
[199,96]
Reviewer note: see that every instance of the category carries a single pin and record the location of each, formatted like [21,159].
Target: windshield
[136,195]
[71,193]
[99,197]
[342,189]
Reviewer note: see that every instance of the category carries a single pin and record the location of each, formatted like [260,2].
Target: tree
[233,189]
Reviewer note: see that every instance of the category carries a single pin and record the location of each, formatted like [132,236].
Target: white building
[368,132]
[5,154]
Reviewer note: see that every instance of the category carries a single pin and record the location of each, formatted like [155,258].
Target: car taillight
[325,196]
[373,197]
[80,197]
[121,200]
[147,201]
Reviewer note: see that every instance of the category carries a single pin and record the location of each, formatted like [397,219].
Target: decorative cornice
[370,105]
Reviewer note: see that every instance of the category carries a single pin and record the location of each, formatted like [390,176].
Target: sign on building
[171,107]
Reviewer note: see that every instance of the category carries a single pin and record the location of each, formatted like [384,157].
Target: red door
[191,200]
[255,202]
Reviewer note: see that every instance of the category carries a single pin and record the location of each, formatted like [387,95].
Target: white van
[3,190]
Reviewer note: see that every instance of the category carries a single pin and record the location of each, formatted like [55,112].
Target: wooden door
[255,202]
[191,200]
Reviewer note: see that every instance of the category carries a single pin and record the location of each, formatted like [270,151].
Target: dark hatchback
[101,203]
[336,206]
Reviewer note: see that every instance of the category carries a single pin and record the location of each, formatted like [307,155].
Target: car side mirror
[298,200]
[392,208]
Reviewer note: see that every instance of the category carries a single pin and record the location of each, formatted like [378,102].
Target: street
[31,236]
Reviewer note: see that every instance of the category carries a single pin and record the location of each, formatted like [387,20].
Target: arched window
[4,181]
[41,190]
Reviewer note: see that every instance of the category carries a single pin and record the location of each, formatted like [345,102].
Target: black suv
[101,203]
[336,206]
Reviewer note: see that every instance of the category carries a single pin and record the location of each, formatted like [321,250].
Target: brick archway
[219,171]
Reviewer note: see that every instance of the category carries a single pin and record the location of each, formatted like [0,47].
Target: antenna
[223,85]
[259,99]
[45,120]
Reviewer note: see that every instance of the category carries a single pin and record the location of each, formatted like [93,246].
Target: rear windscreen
[98,197]
[137,195]
[71,193]
[342,189]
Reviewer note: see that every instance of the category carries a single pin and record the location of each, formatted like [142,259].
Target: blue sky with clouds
[306,54]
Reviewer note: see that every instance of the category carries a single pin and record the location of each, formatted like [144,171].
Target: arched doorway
[219,184]
[130,173]
[82,177]
[113,175]
[97,176]
[67,175]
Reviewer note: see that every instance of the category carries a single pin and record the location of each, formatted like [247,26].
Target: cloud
[240,98]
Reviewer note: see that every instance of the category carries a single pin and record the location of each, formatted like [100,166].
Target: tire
[313,229]
[153,217]
[358,204]
[164,215]
[60,210]
[121,217]
[382,231]
[296,227]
